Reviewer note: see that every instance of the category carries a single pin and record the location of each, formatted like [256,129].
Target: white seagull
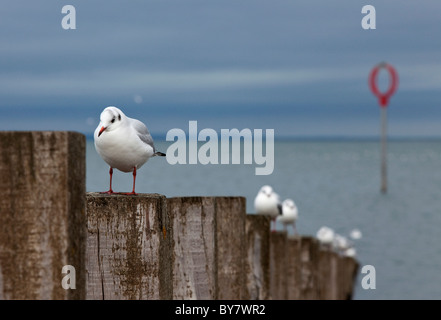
[326,236]
[350,252]
[355,234]
[267,202]
[123,143]
[289,215]
[341,243]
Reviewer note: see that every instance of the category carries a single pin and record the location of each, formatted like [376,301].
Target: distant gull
[289,214]
[123,143]
[267,202]
[350,252]
[341,243]
[326,236]
[355,234]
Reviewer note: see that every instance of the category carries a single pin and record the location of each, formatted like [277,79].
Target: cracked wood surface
[128,247]
[208,247]
[42,213]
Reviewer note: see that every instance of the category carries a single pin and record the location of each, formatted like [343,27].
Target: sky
[298,67]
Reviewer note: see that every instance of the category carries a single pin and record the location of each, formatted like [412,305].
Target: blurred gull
[267,202]
[326,236]
[289,214]
[350,252]
[355,234]
[341,243]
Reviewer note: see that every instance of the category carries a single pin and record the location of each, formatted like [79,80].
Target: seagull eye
[113,120]
[119,117]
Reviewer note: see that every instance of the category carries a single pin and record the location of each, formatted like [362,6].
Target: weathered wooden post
[329,275]
[231,244]
[209,241]
[129,247]
[194,270]
[348,270]
[293,272]
[257,264]
[278,265]
[309,257]
[42,215]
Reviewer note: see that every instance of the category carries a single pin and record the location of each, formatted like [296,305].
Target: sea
[334,183]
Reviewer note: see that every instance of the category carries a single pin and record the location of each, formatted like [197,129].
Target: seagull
[326,236]
[350,252]
[289,214]
[341,243]
[123,143]
[267,202]
[355,234]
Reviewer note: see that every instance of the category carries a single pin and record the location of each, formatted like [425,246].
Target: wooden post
[194,269]
[230,246]
[42,214]
[209,240]
[348,268]
[278,265]
[129,247]
[309,257]
[257,264]
[293,272]
[329,275]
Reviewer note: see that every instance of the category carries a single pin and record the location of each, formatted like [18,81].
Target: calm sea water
[335,184]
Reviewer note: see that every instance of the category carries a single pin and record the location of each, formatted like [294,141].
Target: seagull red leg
[273,224]
[110,188]
[134,180]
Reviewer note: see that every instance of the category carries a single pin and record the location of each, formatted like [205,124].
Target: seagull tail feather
[157,153]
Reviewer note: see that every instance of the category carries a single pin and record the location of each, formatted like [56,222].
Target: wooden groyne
[145,246]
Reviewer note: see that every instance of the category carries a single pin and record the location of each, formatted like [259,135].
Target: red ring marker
[383,98]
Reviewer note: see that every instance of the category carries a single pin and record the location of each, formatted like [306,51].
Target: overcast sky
[299,67]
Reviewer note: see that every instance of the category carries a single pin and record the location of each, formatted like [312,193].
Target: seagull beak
[101,130]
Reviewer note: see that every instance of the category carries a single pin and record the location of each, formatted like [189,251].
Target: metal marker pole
[383,150]
[383,101]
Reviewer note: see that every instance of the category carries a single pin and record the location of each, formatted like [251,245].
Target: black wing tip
[157,153]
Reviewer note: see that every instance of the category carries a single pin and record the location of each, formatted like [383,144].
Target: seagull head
[110,119]
[289,204]
[266,190]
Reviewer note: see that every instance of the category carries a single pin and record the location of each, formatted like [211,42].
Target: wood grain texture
[309,260]
[209,246]
[348,271]
[329,275]
[278,265]
[129,247]
[293,273]
[230,247]
[194,226]
[42,214]
[257,229]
